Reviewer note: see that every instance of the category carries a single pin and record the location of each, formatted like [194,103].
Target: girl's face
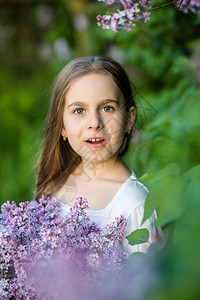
[94,118]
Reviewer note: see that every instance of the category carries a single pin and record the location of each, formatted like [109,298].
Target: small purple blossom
[41,251]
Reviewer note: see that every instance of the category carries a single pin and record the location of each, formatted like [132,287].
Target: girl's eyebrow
[105,101]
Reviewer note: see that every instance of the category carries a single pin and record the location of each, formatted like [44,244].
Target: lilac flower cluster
[134,10]
[131,12]
[189,6]
[45,256]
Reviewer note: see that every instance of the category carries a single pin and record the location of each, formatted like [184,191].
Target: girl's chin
[98,159]
[93,161]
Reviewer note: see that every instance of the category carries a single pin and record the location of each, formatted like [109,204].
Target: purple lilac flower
[128,12]
[45,256]
[125,18]
[189,6]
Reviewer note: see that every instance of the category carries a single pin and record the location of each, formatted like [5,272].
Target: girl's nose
[94,121]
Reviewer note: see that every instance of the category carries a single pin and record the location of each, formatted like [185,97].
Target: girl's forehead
[93,89]
[98,83]
[92,76]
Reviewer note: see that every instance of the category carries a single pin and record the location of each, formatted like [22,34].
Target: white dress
[128,202]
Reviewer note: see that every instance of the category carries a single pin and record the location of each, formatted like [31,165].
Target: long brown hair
[58,160]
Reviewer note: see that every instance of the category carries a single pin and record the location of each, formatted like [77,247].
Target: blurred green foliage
[162,59]
[173,261]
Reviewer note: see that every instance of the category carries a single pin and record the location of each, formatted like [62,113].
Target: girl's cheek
[116,121]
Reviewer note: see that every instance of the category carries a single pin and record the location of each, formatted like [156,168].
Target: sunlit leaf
[138,236]
[145,177]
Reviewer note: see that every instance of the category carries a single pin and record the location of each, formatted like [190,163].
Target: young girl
[89,125]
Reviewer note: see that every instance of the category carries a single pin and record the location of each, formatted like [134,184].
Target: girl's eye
[107,108]
[79,111]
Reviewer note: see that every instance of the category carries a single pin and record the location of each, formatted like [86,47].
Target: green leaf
[145,177]
[138,236]
[166,196]
[193,173]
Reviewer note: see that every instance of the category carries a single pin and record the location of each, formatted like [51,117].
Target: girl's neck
[89,170]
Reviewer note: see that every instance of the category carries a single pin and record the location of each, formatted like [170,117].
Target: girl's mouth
[96,142]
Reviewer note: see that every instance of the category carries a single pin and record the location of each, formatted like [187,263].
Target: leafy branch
[163,5]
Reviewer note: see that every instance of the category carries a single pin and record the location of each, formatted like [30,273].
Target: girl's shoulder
[137,187]
[132,194]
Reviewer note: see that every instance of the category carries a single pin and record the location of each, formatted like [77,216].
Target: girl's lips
[95,142]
